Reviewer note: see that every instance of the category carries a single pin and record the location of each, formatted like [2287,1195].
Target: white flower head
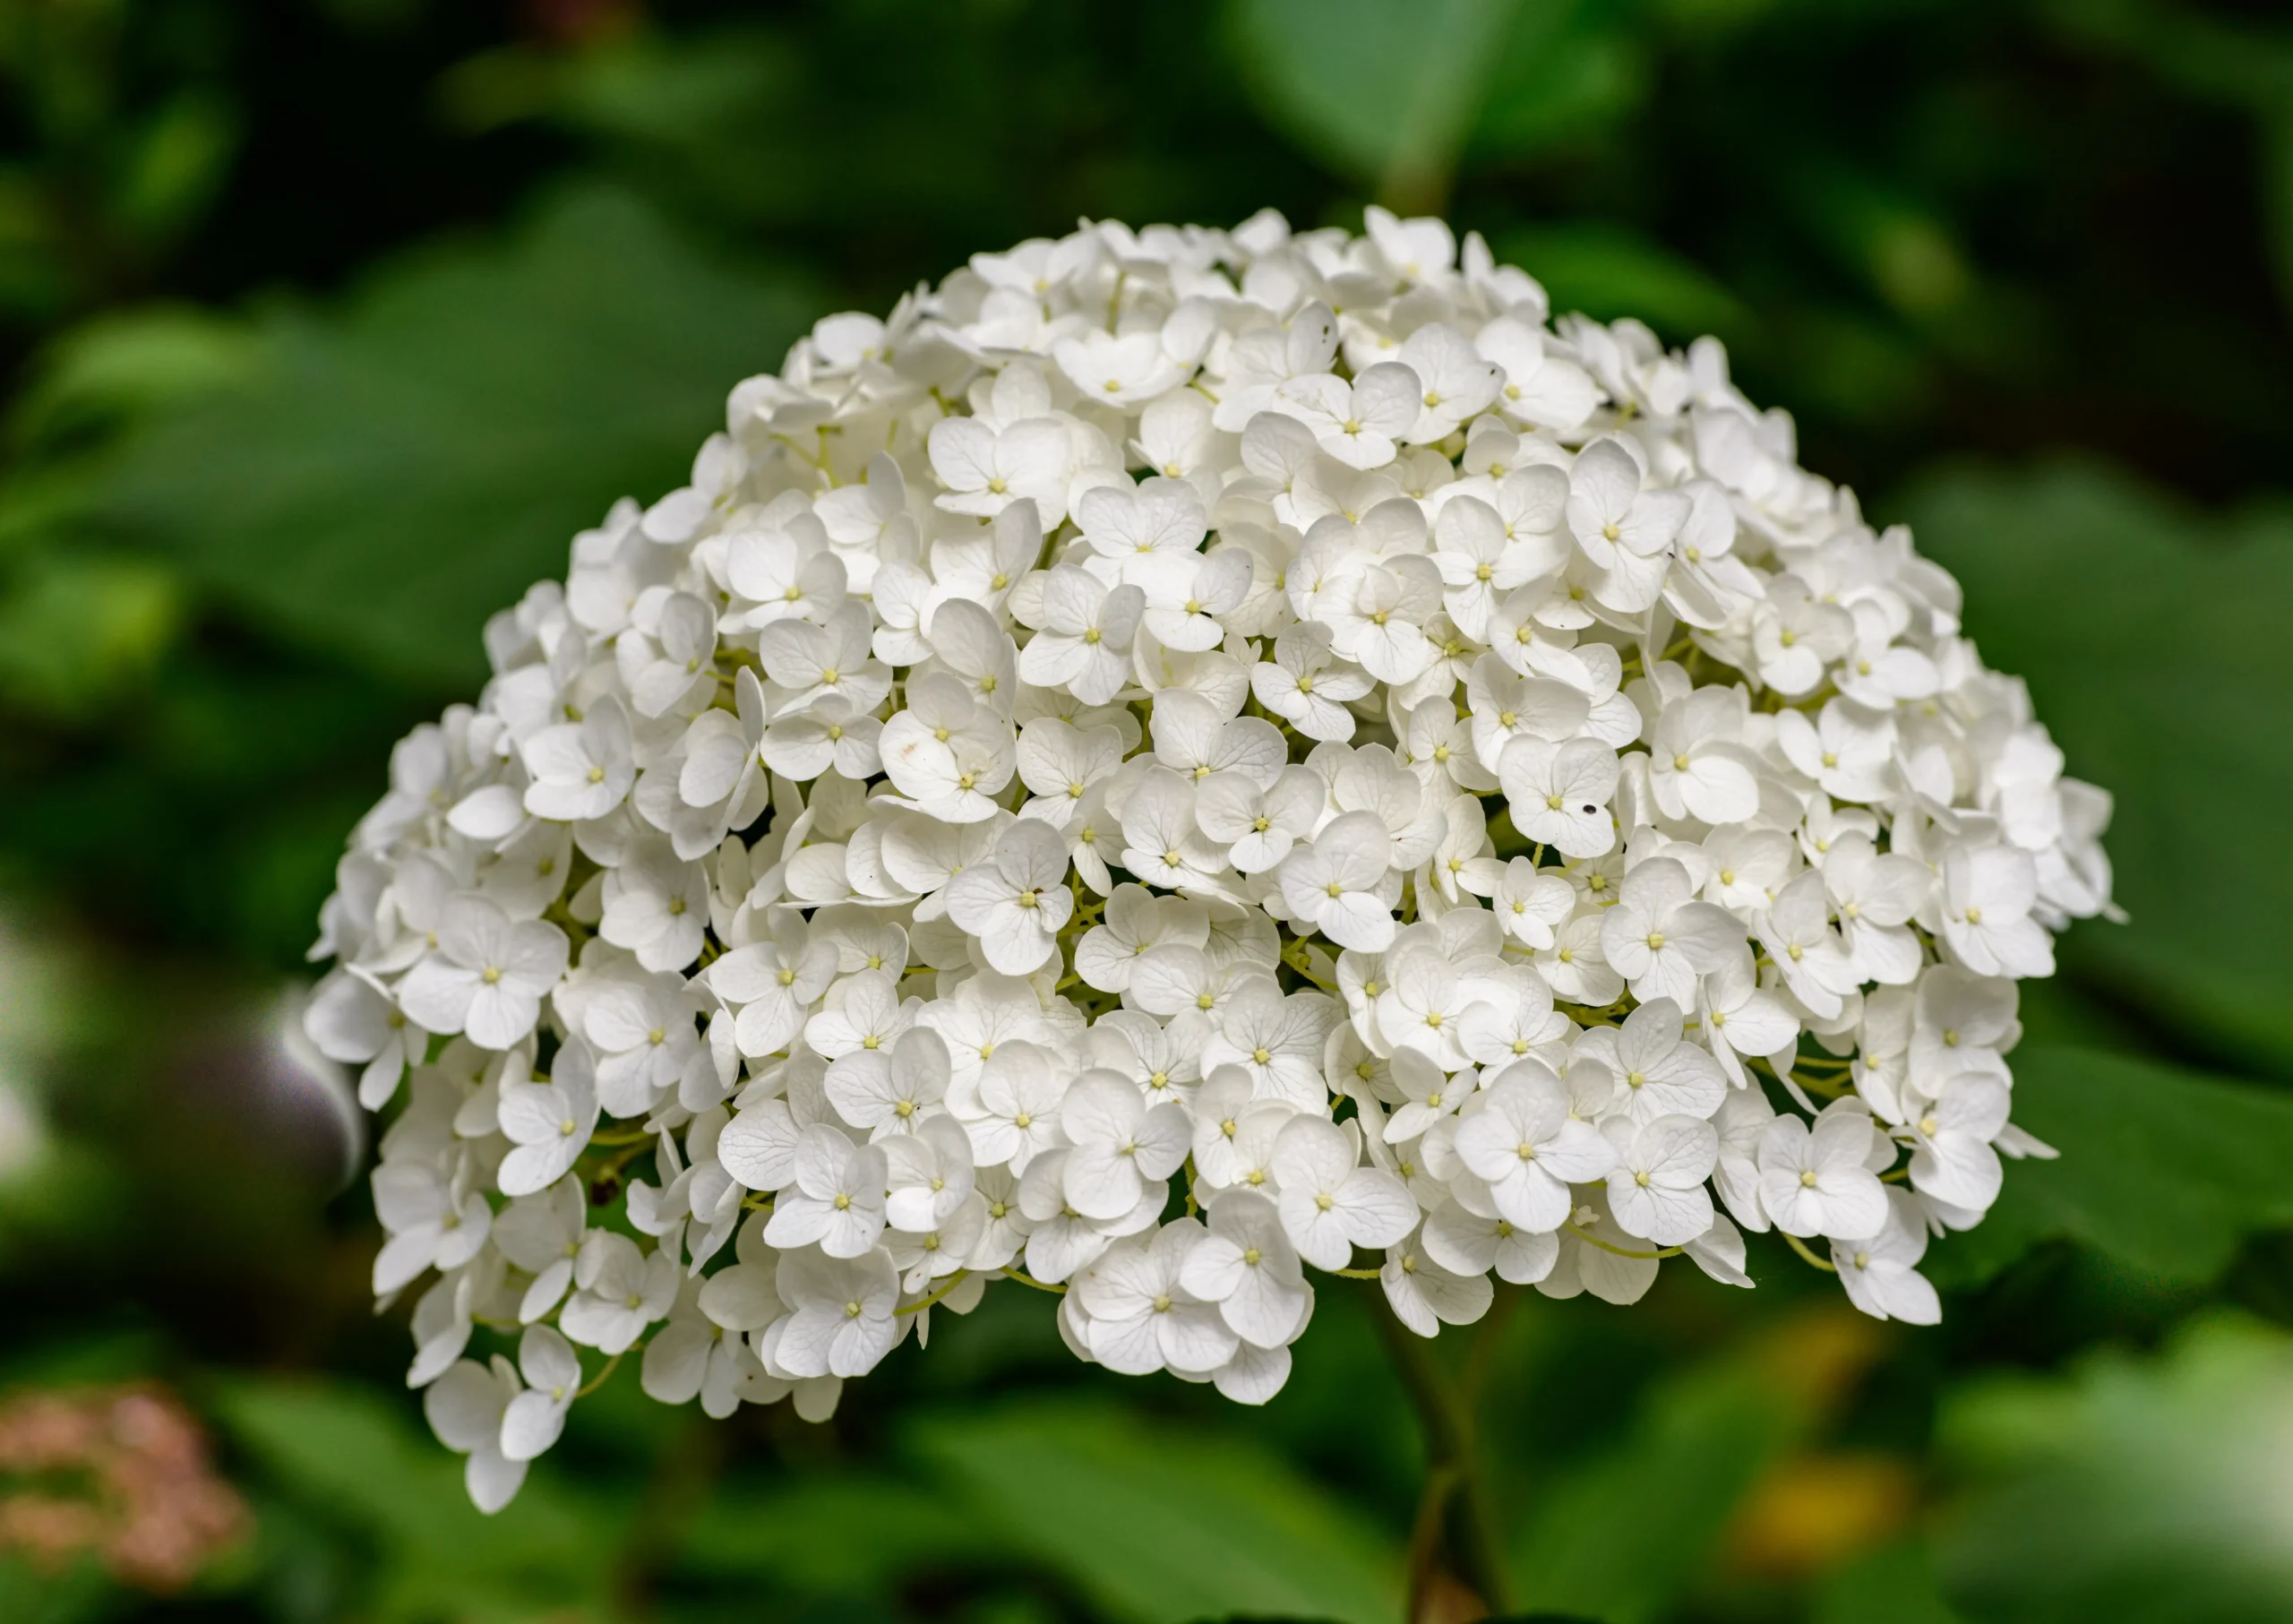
[1258,712]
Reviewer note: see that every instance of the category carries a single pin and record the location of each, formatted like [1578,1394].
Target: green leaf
[1157,1524]
[2278,185]
[834,1535]
[2162,1169]
[176,165]
[2141,1492]
[1567,73]
[2154,644]
[1607,272]
[1896,1585]
[125,363]
[78,630]
[362,1461]
[1618,1537]
[1380,89]
[81,1593]
[1394,91]
[393,474]
[87,386]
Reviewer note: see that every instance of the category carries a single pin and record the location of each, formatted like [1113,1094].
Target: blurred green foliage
[2055,1527]
[2073,573]
[2162,1169]
[328,322]
[470,409]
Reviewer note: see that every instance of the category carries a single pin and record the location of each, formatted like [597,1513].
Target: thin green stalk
[1453,1511]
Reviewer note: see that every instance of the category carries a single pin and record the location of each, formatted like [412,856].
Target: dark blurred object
[579,23]
[311,1098]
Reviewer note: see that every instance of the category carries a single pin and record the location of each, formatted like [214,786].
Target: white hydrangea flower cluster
[1179,760]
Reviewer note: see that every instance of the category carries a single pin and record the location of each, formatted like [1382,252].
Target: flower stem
[1454,1521]
[1800,1246]
[1027,1279]
[953,1281]
[602,1376]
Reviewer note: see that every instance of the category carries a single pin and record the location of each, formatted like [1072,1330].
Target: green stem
[953,1281]
[1027,1279]
[1800,1246]
[1593,1240]
[1453,1511]
[602,1376]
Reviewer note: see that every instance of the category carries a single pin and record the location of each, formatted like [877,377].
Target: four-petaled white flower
[838,1200]
[1121,1144]
[1015,903]
[1336,884]
[1083,642]
[1142,1317]
[486,977]
[581,769]
[840,1319]
[1357,423]
[549,1123]
[1659,938]
[535,1417]
[1528,1147]
[1558,794]
[1818,1181]
[1248,1267]
[1329,1203]
[1881,1272]
[1307,686]
[1656,1189]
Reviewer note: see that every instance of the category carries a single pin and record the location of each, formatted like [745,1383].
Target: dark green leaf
[836,1535]
[1892,1585]
[1619,1536]
[2139,1492]
[1607,271]
[79,630]
[1158,1525]
[1394,91]
[347,1454]
[389,477]
[2154,645]
[78,1593]
[1569,71]
[2162,1169]
[1381,89]
[127,363]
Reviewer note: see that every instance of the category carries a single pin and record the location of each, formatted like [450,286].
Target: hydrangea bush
[1177,762]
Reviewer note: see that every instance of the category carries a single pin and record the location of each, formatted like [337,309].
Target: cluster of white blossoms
[1179,760]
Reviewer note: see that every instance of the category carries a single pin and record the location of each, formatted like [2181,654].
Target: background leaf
[836,1535]
[2162,1169]
[344,1453]
[1618,1537]
[2154,645]
[1893,1585]
[1384,89]
[1161,1524]
[1605,272]
[386,479]
[1394,91]
[2054,1528]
